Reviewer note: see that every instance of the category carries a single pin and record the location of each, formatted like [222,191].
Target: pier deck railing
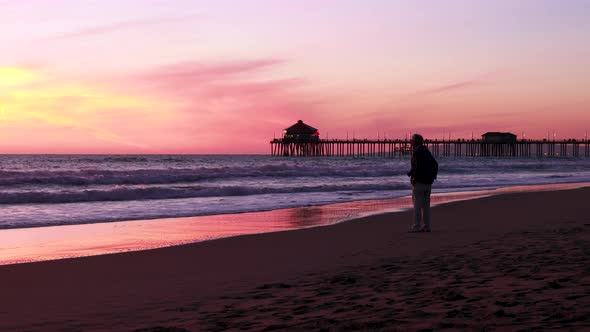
[457,148]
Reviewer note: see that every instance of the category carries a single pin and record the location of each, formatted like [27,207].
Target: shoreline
[342,269]
[436,191]
[30,245]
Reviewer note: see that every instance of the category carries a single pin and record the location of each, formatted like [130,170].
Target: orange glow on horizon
[176,111]
[11,76]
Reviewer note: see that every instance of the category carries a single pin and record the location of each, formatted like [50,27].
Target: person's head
[417,140]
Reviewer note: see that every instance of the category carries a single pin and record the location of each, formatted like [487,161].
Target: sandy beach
[507,262]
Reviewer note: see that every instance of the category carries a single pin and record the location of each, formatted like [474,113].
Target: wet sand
[24,245]
[511,261]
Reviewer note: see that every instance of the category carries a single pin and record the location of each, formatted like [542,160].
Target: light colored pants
[421,199]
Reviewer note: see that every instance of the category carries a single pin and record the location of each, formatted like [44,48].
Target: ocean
[50,190]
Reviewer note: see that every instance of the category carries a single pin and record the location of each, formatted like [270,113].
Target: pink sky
[225,76]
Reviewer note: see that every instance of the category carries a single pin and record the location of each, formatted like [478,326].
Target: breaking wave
[152,193]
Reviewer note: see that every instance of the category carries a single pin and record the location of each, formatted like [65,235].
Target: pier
[446,148]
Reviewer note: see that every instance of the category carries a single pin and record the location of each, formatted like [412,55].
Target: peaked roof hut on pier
[498,137]
[301,132]
[300,128]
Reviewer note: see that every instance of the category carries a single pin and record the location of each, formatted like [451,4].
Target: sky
[226,76]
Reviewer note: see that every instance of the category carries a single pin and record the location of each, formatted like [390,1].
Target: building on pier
[301,132]
[497,137]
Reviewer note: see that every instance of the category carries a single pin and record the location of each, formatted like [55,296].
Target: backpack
[427,166]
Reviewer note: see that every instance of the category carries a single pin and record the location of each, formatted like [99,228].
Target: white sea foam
[52,190]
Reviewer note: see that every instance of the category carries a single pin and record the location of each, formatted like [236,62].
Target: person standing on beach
[422,174]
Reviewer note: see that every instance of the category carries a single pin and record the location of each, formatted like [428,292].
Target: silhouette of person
[422,174]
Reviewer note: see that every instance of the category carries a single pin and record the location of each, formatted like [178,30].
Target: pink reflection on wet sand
[48,243]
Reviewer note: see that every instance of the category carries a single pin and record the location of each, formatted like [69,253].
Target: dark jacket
[424,166]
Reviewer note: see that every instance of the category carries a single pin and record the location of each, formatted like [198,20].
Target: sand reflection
[47,243]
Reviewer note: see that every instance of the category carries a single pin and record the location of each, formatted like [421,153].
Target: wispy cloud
[114,27]
[477,81]
[102,134]
[198,71]
[451,87]
[210,80]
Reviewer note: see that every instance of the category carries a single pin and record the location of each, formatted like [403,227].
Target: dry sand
[507,262]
